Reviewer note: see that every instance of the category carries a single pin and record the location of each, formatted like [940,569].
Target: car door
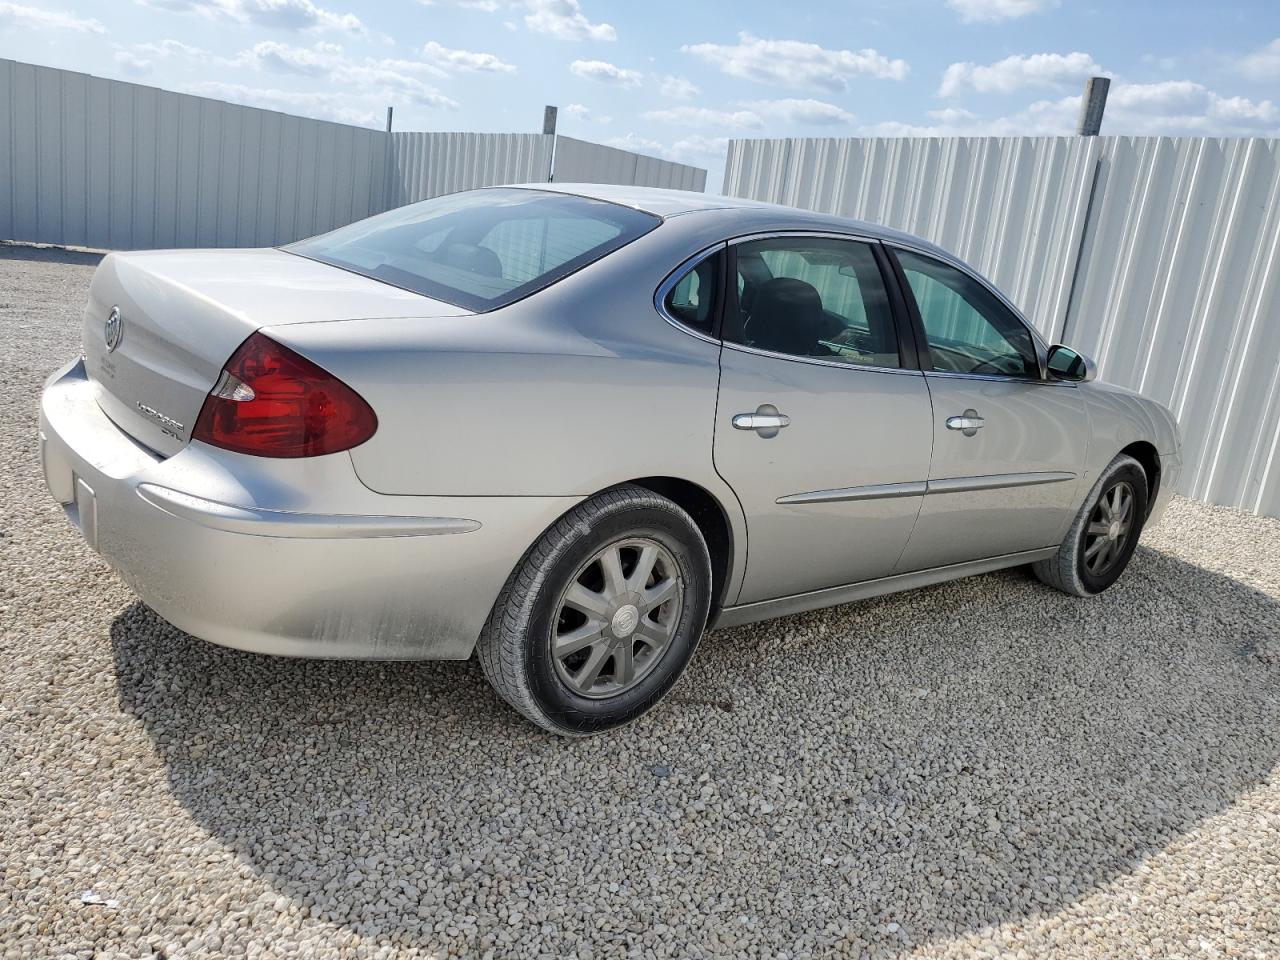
[1008,444]
[823,420]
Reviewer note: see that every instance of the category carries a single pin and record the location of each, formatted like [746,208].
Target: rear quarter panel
[575,389]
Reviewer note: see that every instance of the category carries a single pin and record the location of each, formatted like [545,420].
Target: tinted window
[969,330]
[481,249]
[692,300]
[814,297]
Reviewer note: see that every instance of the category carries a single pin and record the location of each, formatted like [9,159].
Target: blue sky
[677,79]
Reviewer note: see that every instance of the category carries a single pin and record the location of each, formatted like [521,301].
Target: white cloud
[565,19]
[988,10]
[704,117]
[132,64]
[177,50]
[274,14]
[605,72]
[1019,72]
[1161,63]
[320,60]
[754,114]
[465,60]
[815,112]
[323,106]
[698,147]
[691,149]
[1263,64]
[387,78]
[484,6]
[637,143]
[18,15]
[794,63]
[1169,108]
[576,111]
[677,88]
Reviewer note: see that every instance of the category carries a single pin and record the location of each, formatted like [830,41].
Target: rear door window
[482,249]
[814,297]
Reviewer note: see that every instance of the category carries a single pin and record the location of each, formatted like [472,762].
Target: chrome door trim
[912,488]
[995,481]
[830,597]
[998,378]
[742,348]
[674,277]
[874,491]
[819,234]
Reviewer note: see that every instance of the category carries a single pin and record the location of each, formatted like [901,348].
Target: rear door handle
[968,423]
[766,421]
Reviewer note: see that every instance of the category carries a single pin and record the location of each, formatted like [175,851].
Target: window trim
[907,354]
[678,274]
[921,336]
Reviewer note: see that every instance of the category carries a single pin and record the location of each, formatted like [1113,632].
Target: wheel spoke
[1093,548]
[584,636]
[624,664]
[652,634]
[658,594]
[615,584]
[1126,505]
[644,566]
[587,675]
[587,601]
[1098,529]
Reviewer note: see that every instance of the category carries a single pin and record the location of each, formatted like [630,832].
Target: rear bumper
[288,557]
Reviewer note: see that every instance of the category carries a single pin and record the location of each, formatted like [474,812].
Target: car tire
[1091,558]
[586,577]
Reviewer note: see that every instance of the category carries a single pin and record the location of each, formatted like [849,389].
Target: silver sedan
[570,428]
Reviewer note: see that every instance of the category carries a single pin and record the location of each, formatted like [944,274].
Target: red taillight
[270,402]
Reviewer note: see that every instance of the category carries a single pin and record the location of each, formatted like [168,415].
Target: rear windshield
[481,249]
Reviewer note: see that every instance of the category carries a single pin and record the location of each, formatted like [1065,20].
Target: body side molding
[882,491]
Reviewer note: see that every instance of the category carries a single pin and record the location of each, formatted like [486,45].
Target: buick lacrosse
[569,428]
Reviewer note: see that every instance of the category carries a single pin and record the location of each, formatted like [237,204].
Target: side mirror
[1065,364]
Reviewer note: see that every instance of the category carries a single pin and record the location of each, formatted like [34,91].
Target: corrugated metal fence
[430,164]
[103,163]
[1158,256]
[578,161]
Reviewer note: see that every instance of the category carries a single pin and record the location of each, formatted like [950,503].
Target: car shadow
[10,250]
[908,768]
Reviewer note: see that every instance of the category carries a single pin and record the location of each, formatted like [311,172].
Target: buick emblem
[114,329]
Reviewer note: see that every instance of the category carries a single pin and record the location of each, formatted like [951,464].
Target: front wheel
[601,615]
[1104,534]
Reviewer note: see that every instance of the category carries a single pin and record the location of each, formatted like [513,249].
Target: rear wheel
[1104,534]
[602,614]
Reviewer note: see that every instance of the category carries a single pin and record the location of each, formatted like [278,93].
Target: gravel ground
[984,767]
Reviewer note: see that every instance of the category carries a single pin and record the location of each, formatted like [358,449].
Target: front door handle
[968,423]
[766,421]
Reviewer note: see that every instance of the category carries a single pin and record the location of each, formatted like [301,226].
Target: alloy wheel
[617,617]
[1110,525]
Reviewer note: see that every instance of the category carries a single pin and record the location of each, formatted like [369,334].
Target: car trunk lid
[182,313]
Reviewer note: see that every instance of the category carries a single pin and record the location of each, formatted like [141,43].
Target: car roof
[672,203]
